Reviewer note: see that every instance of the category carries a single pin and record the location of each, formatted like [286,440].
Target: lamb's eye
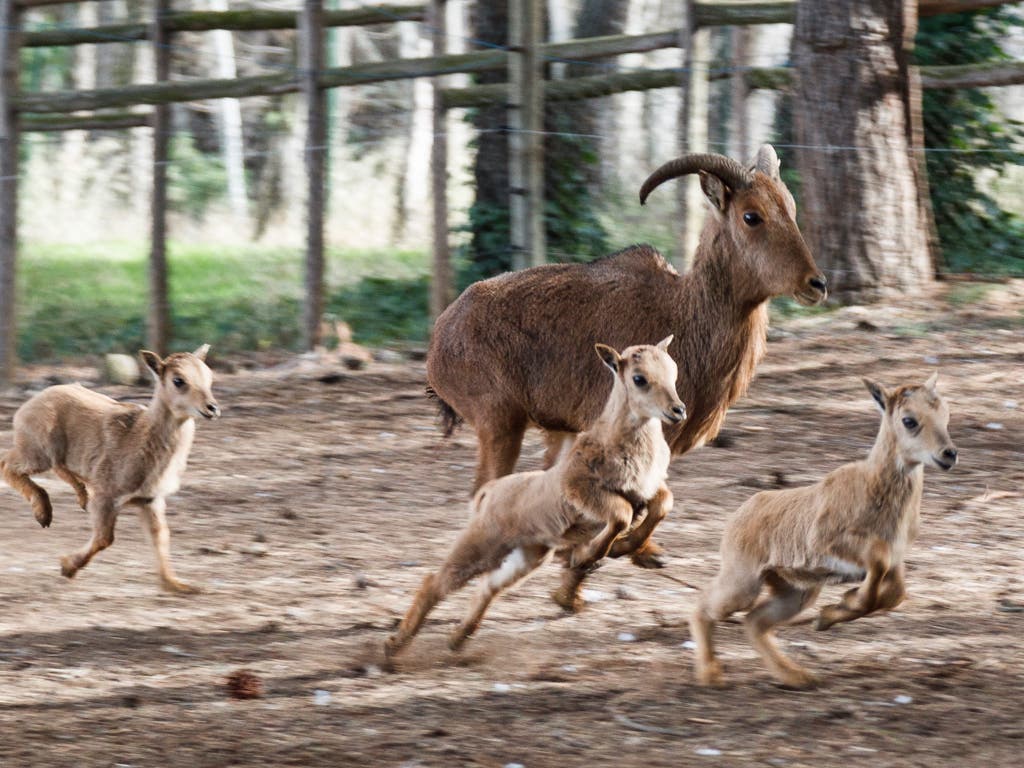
[178,382]
[910,422]
[639,380]
[752,219]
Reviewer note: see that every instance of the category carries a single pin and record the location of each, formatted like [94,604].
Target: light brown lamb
[114,454]
[613,472]
[855,524]
[502,355]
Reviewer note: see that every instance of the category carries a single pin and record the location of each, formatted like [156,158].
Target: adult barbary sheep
[856,523]
[615,469]
[514,351]
[113,454]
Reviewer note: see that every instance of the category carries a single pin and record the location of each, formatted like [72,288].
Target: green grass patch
[91,299]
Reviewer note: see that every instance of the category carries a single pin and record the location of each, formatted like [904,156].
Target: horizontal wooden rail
[204,21]
[722,13]
[111,121]
[948,77]
[359,74]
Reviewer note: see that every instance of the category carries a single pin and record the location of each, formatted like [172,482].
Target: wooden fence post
[311,45]
[10,37]
[526,146]
[694,120]
[158,327]
[441,274]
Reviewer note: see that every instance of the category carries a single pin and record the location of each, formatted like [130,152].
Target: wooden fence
[113,108]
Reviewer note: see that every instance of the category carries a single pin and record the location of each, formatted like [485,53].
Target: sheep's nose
[679,410]
[213,408]
[950,454]
[818,283]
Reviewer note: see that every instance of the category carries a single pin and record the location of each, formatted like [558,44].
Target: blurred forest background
[237,176]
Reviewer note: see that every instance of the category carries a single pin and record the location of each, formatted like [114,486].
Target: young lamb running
[853,525]
[113,454]
[614,471]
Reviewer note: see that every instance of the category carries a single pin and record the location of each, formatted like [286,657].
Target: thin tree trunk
[862,211]
[230,113]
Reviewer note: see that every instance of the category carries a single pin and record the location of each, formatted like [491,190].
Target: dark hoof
[650,560]
[569,603]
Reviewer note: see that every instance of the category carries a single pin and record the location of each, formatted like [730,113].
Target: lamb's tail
[449,419]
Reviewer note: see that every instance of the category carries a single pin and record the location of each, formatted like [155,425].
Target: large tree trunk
[862,211]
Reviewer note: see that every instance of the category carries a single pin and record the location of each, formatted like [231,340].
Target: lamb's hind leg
[103,513]
[728,593]
[518,564]
[465,561]
[16,473]
[785,602]
[862,600]
[75,482]
[153,512]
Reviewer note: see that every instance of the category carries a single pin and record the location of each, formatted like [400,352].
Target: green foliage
[975,233]
[194,179]
[84,300]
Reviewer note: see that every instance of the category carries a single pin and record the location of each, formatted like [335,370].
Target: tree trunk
[862,211]
[230,123]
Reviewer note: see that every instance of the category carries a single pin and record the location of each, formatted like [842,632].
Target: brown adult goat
[514,351]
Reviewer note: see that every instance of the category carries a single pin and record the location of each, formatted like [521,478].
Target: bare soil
[311,511]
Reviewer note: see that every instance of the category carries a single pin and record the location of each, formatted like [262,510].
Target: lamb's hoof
[391,647]
[710,675]
[570,602]
[825,619]
[798,679]
[456,640]
[43,514]
[176,587]
[650,557]
[68,567]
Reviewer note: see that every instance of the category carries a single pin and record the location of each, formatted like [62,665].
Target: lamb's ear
[878,392]
[201,352]
[608,356]
[663,344]
[153,362]
[715,191]
[932,381]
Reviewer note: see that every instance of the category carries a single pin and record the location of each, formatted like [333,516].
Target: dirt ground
[311,511]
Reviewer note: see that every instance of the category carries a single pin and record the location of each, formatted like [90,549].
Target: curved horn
[725,168]
[767,162]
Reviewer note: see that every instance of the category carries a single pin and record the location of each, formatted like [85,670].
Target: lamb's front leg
[103,513]
[637,543]
[864,599]
[153,512]
[617,514]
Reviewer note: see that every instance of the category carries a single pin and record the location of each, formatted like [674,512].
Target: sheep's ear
[663,344]
[153,362]
[932,381]
[201,352]
[714,190]
[879,393]
[608,356]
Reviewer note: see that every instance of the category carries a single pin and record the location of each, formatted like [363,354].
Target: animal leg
[519,563]
[498,449]
[75,482]
[892,590]
[861,600]
[618,514]
[153,513]
[785,602]
[638,544]
[556,443]
[468,558]
[17,475]
[727,594]
[103,514]
[568,593]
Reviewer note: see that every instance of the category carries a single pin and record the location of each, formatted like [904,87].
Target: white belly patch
[511,568]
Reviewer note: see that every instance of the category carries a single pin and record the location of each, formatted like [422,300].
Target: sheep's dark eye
[910,422]
[639,380]
[752,219]
[178,382]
